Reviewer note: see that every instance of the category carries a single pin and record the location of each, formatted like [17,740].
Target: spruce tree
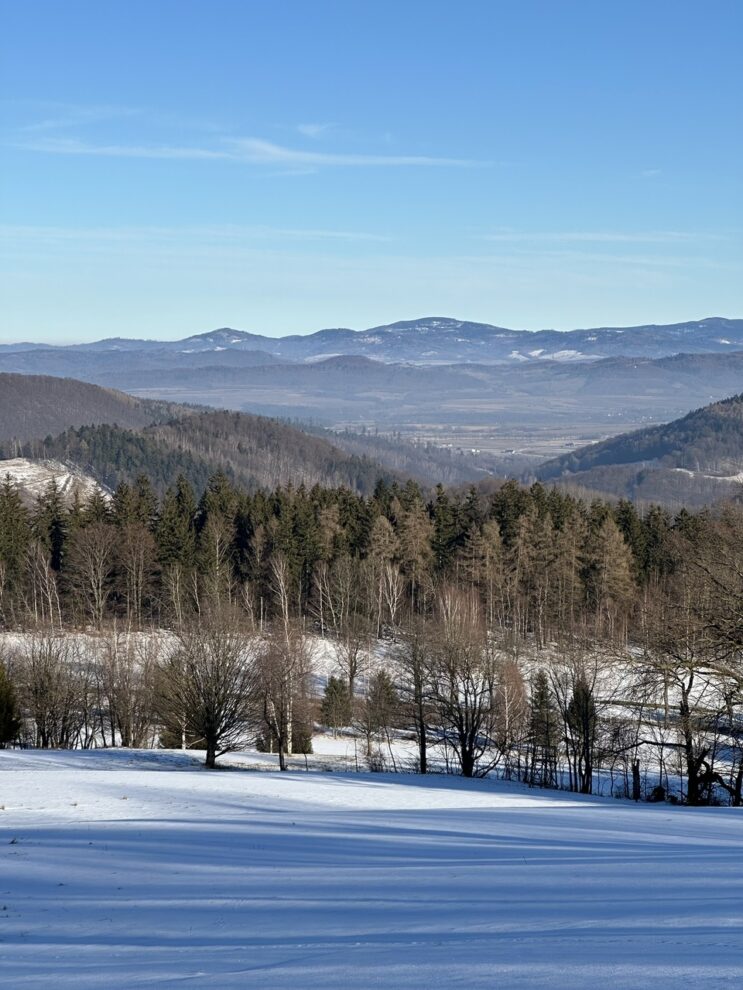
[336,704]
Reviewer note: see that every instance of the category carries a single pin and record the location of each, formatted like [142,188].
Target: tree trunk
[422,743]
[211,754]
[635,780]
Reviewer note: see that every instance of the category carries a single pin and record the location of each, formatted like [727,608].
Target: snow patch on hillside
[34,476]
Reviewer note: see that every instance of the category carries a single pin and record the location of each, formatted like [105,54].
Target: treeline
[526,630]
[544,563]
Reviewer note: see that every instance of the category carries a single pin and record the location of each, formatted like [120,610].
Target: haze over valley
[458,385]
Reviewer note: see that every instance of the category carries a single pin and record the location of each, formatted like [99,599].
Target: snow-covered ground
[34,476]
[140,869]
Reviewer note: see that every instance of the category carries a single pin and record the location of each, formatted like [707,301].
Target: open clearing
[140,869]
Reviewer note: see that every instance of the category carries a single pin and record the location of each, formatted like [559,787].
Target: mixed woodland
[524,631]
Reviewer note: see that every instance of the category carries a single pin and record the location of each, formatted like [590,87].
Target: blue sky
[171,166]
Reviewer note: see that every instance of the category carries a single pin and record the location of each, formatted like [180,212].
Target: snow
[34,476]
[140,869]
[566,355]
[737,477]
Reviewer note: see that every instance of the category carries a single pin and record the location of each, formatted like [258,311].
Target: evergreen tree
[544,733]
[445,529]
[335,709]
[176,530]
[10,717]
[15,536]
[582,725]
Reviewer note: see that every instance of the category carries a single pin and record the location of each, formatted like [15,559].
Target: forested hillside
[251,450]
[37,406]
[693,460]
[707,439]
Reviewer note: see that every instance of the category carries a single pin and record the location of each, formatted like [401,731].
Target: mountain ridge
[438,339]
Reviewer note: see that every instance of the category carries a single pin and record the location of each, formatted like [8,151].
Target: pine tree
[176,532]
[446,531]
[51,523]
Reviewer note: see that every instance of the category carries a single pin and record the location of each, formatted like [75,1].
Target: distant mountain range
[433,340]
[478,400]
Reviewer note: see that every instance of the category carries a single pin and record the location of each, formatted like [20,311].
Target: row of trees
[524,631]
[562,716]
[541,561]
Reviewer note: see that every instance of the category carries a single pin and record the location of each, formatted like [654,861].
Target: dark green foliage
[381,702]
[176,530]
[251,451]
[582,724]
[51,523]
[15,535]
[447,530]
[336,704]
[673,463]
[544,733]
[556,564]
[10,716]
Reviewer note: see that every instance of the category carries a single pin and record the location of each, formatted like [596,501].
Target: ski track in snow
[112,875]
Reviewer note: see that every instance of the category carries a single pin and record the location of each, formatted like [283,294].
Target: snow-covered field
[140,869]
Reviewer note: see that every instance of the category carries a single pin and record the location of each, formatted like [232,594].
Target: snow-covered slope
[139,869]
[34,476]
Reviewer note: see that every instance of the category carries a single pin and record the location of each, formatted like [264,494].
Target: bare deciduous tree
[463,678]
[126,673]
[56,690]
[91,561]
[207,686]
[284,667]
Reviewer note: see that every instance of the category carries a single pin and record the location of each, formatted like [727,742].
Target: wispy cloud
[73,146]
[65,117]
[314,130]
[263,152]
[252,151]
[600,237]
[222,233]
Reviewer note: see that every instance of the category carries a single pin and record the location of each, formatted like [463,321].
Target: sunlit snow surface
[140,869]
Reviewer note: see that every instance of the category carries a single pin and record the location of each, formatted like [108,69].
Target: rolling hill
[37,405]
[113,436]
[693,460]
[252,451]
